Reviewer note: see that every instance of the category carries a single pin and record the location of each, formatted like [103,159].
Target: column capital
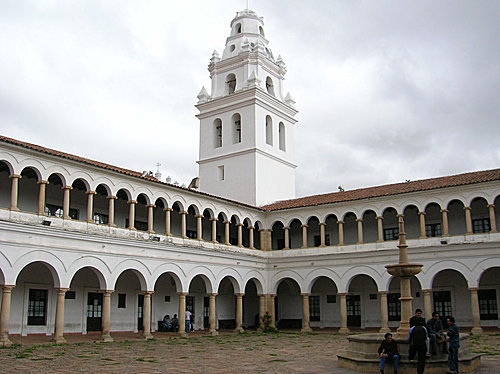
[359,219]
[467,208]
[167,209]
[251,227]
[421,213]
[271,295]
[227,222]
[111,197]
[286,227]
[305,294]
[91,193]
[400,215]
[342,293]
[426,290]
[12,176]
[444,210]
[322,223]
[240,225]
[42,182]
[379,217]
[491,205]
[183,213]
[473,289]
[213,219]
[67,188]
[198,216]
[7,287]
[239,294]
[383,292]
[182,293]
[132,202]
[148,292]
[304,225]
[150,206]
[107,292]
[340,222]
[61,289]
[213,294]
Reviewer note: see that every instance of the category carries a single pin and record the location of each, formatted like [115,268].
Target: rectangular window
[70,295]
[191,234]
[122,300]
[481,225]
[37,307]
[331,299]
[314,311]
[101,219]
[57,211]
[433,230]
[220,172]
[394,306]
[488,304]
[391,233]
[167,299]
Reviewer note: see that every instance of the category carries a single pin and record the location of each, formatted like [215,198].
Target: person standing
[388,351]
[188,321]
[454,344]
[417,338]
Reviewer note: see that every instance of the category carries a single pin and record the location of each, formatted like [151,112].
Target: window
[280,243]
[314,310]
[70,295]
[57,211]
[488,304]
[331,299]
[480,225]
[270,86]
[122,300]
[220,172]
[282,139]
[101,219]
[261,30]
[37,307]
[191,234]
[167,299]
[432,230]
[218,132]
[231,83]
[237,28]
[394,306]
[269,130]
[139,225]
[236,120]
[391,233]
[317,240]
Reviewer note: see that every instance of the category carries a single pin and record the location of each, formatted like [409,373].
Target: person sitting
[417,317]
[436,334]
[388,351]
[175,323]
[167,324]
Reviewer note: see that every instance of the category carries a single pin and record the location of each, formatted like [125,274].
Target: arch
[137,267]
[143,198]
[103,189]
[8,166]
[380,279]
[34,170]
[206,274]
[269,130]
[208,213]
[261,31]
[217,132]
[237,28]
[315,274]
[236,127]
[247,221]
[258,280]
[193,209]
[174,271]
[269,85]
[282,136]
[57,178]
[235,219]
[178,206]
[96,264]
[481,267]
[230,84]
[430,273]
[233,276]
[124,194]
[52,262]
[280,276]
[391,279]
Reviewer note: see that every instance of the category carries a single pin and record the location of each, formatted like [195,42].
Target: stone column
[341,232]
[406,305]
[199,227]
[146,316]
[305,313]
[226,233]
[322,236]
[41,196]
[111,210]
[67,190]
[360,230]
[250,237]
[304,236]
[59,325]
[272,309]
[380,229]
[167,221]
[343,313]
[240,234]
[444,216]
[5,315]
[384,314]
[14,191]
[90,206]
[476,317]
[493,221]
[150,218]
[262,310]
[182,314]
[468,220]
[211,315]
[106,316]
[131,214]
[401,222]
[239,312]
[427,304]
[287,237]
[183,224]
[422,225]
[214,229]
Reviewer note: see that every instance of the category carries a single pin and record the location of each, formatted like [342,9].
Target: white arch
[429,274]
[479,269]
[54,264]
[378,277]
[206,274]
[258,281]
[233,276]
[174,270]
[313,276]
[98,266]
[139,268]
[279,276]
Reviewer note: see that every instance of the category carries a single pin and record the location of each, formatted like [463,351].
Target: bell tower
[247,122]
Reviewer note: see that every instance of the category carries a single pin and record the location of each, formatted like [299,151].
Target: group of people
[424,340]
[172,324]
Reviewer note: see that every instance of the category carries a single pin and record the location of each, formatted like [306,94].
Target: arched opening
[246,233]
[236,121]
[191,225]
[496,210]
[350,229]
[165,299]
[175,219]
[197,303]
[489,290]
[450,297]
[141,213]
[288,305]
[295,233]
[207,224]
[251,305]
[256,235]
[221,230]
[456,218]
[412,222]
[122,208]
[394,304]
[323,304]
[332,229]
[27,199]
[217,133]
[225,305]
[362,302]
[313,233]
[370,234]
[159,216]
[230,84]
[480,216]
[5,185]
[282,138]
[269,130]
[237,28]
[433,220]
[390,224]
[78,200]
[101,205]
[270,86]
[278,236]
[233,230]
[129,283]
[261,31]
[54,197]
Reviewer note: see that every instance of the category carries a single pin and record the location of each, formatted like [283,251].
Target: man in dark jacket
[454,344]
[388,351]
[417,317]
[436,334]
[417,338]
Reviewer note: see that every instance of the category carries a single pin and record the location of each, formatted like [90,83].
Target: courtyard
[249,352]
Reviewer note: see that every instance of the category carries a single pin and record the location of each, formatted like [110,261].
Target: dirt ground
[284,352]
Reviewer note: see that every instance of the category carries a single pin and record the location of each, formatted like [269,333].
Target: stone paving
[284,352]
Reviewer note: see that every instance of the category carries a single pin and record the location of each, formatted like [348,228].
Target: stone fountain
[361,354]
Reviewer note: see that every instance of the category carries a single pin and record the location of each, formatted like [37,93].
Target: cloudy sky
[387,90]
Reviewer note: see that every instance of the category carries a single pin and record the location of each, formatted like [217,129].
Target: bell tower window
[218,132]
[230,84]
[269,130]
[237,28]
[282,139]
[236,120]
[269,86]
[261,30]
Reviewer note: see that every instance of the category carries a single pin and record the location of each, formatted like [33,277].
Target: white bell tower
[247,122]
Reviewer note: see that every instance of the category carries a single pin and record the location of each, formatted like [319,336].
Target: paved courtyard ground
[284,352]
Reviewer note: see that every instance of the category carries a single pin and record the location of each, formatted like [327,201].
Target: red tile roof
[387,190]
